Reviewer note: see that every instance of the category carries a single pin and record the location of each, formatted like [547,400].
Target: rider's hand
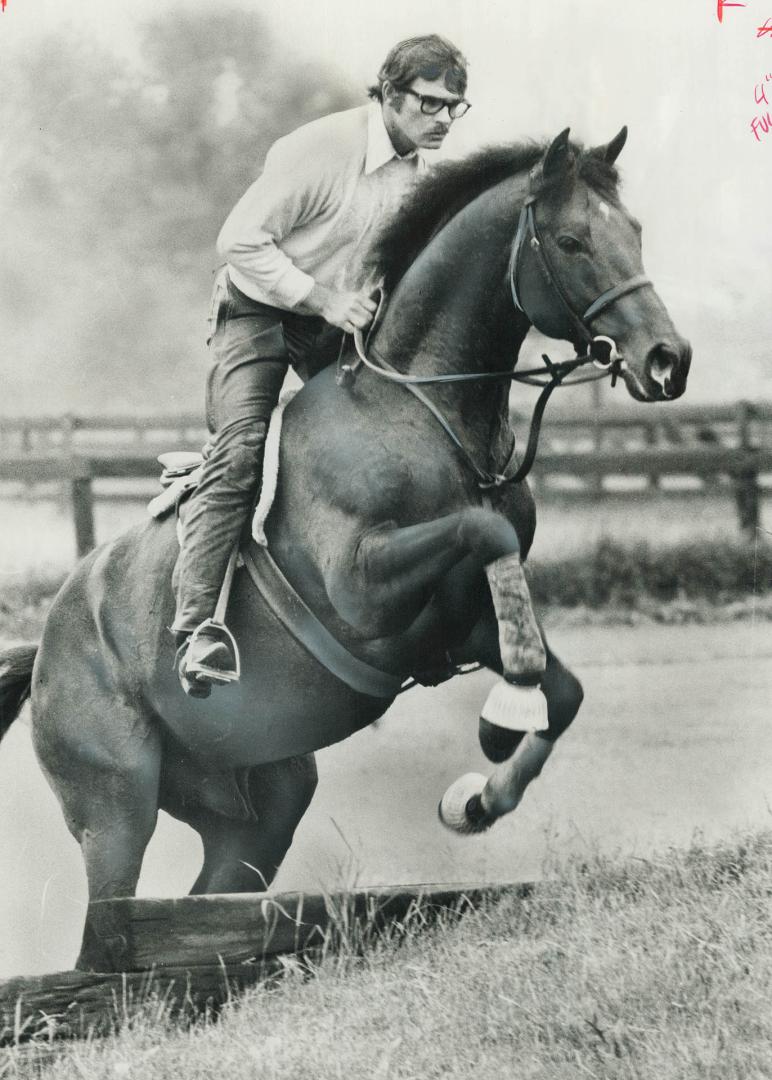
[349,311]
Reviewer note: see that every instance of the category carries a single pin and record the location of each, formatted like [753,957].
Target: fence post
[746,477]
[81,492]
[596,475]
[651,436]
[82,498]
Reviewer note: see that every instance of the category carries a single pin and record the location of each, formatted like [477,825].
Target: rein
[601,351]
[485,480]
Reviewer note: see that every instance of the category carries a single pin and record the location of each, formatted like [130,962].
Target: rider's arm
[290,192]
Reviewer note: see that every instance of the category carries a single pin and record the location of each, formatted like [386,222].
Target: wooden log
[76,1003]
[135,935]
[200,950]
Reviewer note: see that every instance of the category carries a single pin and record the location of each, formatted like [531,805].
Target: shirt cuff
[287,291]
[292,287]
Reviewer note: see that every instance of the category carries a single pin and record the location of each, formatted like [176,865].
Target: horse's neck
[452,312]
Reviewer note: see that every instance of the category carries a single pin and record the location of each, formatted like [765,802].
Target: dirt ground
[673,739]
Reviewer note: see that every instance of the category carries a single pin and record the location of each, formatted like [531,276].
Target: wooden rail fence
[191,954]
[728,445]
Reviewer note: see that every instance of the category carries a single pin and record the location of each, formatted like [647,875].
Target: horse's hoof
[452,810]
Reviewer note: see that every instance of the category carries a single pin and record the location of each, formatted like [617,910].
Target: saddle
[181,473]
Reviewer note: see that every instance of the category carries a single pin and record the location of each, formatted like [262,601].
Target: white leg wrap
[522,650]
[517,708]
[507,784]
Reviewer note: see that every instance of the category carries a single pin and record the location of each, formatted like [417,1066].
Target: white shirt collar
[380,148]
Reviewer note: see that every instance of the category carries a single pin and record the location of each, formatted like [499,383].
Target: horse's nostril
[663,358]
[663,364]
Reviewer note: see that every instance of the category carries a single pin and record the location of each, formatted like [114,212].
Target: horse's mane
[451,185]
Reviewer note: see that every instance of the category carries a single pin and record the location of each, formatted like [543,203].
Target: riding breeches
[251,346]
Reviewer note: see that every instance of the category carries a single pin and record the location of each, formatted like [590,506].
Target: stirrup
[217,630]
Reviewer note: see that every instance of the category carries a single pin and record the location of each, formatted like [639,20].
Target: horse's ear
[611,151]
[559,158]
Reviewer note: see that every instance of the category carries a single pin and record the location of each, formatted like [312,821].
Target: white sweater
[311,214]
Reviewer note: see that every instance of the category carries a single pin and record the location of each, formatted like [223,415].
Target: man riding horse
[398,534]
[294,279]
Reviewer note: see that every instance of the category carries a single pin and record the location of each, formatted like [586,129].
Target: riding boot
[218,515]
[198,657]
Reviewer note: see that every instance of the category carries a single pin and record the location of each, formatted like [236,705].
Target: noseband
[601,351]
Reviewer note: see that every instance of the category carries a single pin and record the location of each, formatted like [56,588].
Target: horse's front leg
[474,802]
[381,579]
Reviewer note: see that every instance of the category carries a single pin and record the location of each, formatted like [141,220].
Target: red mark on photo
[721,4]
[761,124]
[765,29]
[2,4]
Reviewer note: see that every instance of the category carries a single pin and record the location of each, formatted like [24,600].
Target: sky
[694,172]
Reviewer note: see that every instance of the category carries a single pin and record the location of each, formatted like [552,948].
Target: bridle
[601,351]
[527,232]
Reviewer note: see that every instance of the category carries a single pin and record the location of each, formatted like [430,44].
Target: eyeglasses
[430,106]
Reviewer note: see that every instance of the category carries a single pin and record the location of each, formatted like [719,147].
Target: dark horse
[380,522]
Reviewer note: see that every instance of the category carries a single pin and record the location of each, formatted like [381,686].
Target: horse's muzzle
[667,368]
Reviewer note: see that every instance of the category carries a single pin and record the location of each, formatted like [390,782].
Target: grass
[640,575]
[645,968]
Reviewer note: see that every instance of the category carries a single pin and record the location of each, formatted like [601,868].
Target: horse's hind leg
[246,841]
[101,754]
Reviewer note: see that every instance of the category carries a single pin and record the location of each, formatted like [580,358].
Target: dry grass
[614,969]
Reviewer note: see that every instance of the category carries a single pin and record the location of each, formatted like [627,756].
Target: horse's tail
[15,679]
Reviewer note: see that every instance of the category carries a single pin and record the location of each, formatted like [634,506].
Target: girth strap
[293,612]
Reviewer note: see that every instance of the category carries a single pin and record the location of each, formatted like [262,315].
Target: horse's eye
[569,244]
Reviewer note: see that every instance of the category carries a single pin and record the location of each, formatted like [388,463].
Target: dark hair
[428,57]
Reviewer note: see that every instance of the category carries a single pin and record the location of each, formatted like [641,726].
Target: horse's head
[577,272]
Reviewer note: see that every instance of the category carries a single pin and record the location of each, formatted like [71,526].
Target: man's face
[408,126]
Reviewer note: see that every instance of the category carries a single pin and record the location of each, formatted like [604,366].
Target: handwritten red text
[760,91]
[761,124]
[721,4]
